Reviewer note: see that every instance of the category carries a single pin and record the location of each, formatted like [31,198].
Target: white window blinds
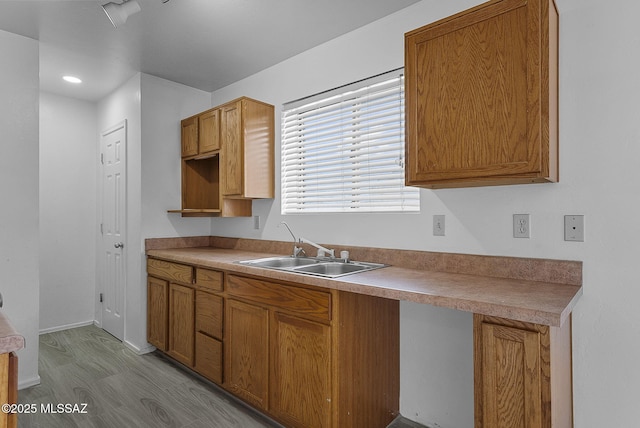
[343,150]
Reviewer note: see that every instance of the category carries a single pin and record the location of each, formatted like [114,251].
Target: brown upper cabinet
[247,149]
[482,97]
[201,133]
[227,159]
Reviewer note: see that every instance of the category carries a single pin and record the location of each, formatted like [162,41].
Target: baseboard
[139,351]
[29,382]
[66,327]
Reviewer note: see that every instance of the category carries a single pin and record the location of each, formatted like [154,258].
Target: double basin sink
[317,266]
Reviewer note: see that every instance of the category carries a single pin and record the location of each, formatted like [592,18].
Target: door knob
[118,245]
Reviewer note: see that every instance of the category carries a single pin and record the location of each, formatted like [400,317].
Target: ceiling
[205,44]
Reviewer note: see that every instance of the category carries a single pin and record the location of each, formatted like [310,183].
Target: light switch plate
[574,228]
[438,225]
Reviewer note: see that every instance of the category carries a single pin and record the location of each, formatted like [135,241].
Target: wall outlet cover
[521,226]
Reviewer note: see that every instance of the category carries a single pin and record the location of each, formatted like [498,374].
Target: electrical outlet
[438,225]
[574,228]
[521,226]
[256,222]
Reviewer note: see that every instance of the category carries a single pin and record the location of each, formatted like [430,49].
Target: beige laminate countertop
[541,302]
[10,339]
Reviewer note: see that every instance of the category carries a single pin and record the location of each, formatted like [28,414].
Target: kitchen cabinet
[181,324]
[300,389]
[189,136]
[209,131]
[311,357]
[247,149]
[185,315]
[482,97]
[209,321]
[201,134]
[227,159]
[157,312]
[306,356]
[246,361]
[513,363]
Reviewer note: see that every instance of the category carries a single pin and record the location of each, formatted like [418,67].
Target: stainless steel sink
[318,266]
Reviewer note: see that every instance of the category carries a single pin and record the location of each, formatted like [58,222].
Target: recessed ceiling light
[72,79]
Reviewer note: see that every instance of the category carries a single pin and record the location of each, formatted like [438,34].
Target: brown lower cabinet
[306,356]
[514,362]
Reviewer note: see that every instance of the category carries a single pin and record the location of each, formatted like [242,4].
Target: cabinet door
[301,372]
[209,357]
[231,157]
[209,131]
[509,377]
[246,352]
[157,312]
[181,323]
[477,97]
[190,136]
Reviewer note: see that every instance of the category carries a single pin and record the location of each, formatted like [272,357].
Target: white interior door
[112,261]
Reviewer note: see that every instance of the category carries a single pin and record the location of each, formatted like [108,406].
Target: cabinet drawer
[209,314]
[171,271]
[209,357]
[210,279]
[302,301]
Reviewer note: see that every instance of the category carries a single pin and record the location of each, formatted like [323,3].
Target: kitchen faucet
[321,250]
[297,251]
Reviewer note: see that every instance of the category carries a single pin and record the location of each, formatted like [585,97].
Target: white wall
[68,164]
[599,148]
[19,278]
[124,104]
[153,108]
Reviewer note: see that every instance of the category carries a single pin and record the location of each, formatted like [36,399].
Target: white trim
[139,351]
[66,327]
[29,383]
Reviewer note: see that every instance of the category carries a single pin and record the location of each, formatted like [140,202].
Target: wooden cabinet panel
[171,271]
[189,136]
[209,131]
[301,372]
[481,96]
[181,323]
[209,279]
[246,352]
[209,357]
[8,387]
[511,377]
[513,362]
[209,314]
[157,312]
[232,150]
[298,300]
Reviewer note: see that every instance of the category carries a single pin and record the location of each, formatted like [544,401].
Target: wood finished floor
[122,389]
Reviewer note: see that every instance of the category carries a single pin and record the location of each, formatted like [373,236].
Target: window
[343,150]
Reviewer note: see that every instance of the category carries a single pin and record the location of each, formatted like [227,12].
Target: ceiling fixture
[118,13]
[72,79]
